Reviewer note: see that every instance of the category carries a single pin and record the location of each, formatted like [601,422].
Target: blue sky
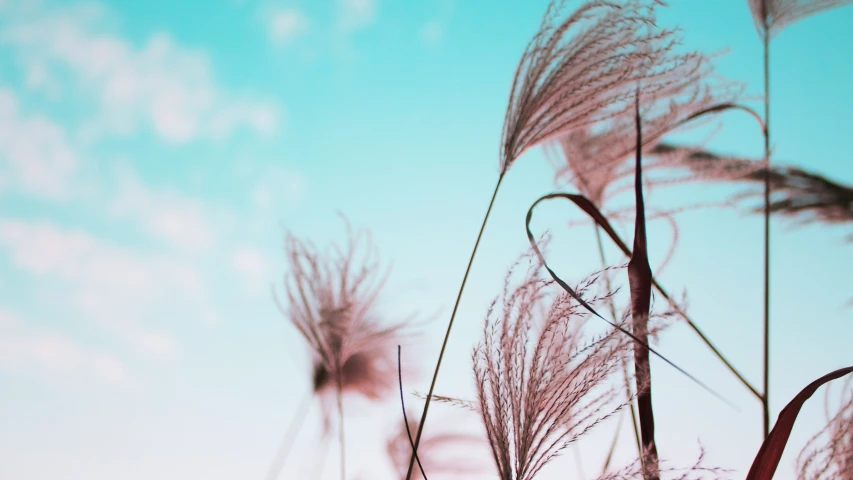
[152,154]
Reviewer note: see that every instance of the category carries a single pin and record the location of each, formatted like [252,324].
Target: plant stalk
[341,430]
[289,436]
[766,397]
[640,282]
[612,306]
[450,326]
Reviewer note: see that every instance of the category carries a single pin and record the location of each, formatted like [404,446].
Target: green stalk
[449,326]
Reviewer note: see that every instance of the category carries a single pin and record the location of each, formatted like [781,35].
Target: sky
[153,154]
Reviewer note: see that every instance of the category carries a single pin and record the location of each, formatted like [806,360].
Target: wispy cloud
[251,267]
[137,273]
[357,14]
[278,187]
[432,32]
[23,349]
[160,85]
[180,221]
[123,291]
[39,159]
[287,24]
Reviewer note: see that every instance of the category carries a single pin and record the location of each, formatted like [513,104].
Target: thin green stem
[450,326]
[766,397]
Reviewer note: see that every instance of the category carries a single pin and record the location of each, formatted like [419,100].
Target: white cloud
[287,24]
[160,85]
[357,14]
[35,155]
[262,118]
[252,268]
[54,353]
[9,319]
[432,33]
[38,78]
[127,293]
[278,187]
[180,221]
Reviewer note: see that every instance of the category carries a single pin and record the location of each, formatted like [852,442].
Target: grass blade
[601,221]
[767,460]
[640,282]
[590,209]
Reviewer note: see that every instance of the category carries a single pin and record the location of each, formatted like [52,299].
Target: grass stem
[449,326]
[341,430]
[766,397]
[289,437]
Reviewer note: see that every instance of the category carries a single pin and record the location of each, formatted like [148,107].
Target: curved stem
[590,209]
[450,325]
[403,406]
[289,436]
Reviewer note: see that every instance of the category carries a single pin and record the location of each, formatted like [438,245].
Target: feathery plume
[803,193]
[592,162]
[833,457]
[695,472]
[771,16]
[703,164]
[575,72]
[442,453]
[798,193]
[535,398]
[587,68]
[331,299]
[596,157]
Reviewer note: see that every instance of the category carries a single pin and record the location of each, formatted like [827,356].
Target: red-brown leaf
[765,463]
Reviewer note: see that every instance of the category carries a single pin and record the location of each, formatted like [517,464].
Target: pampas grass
[602,83]
[798,194]
[331,299]
[579,69]
[829,454]
[770,17]
[540,385]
